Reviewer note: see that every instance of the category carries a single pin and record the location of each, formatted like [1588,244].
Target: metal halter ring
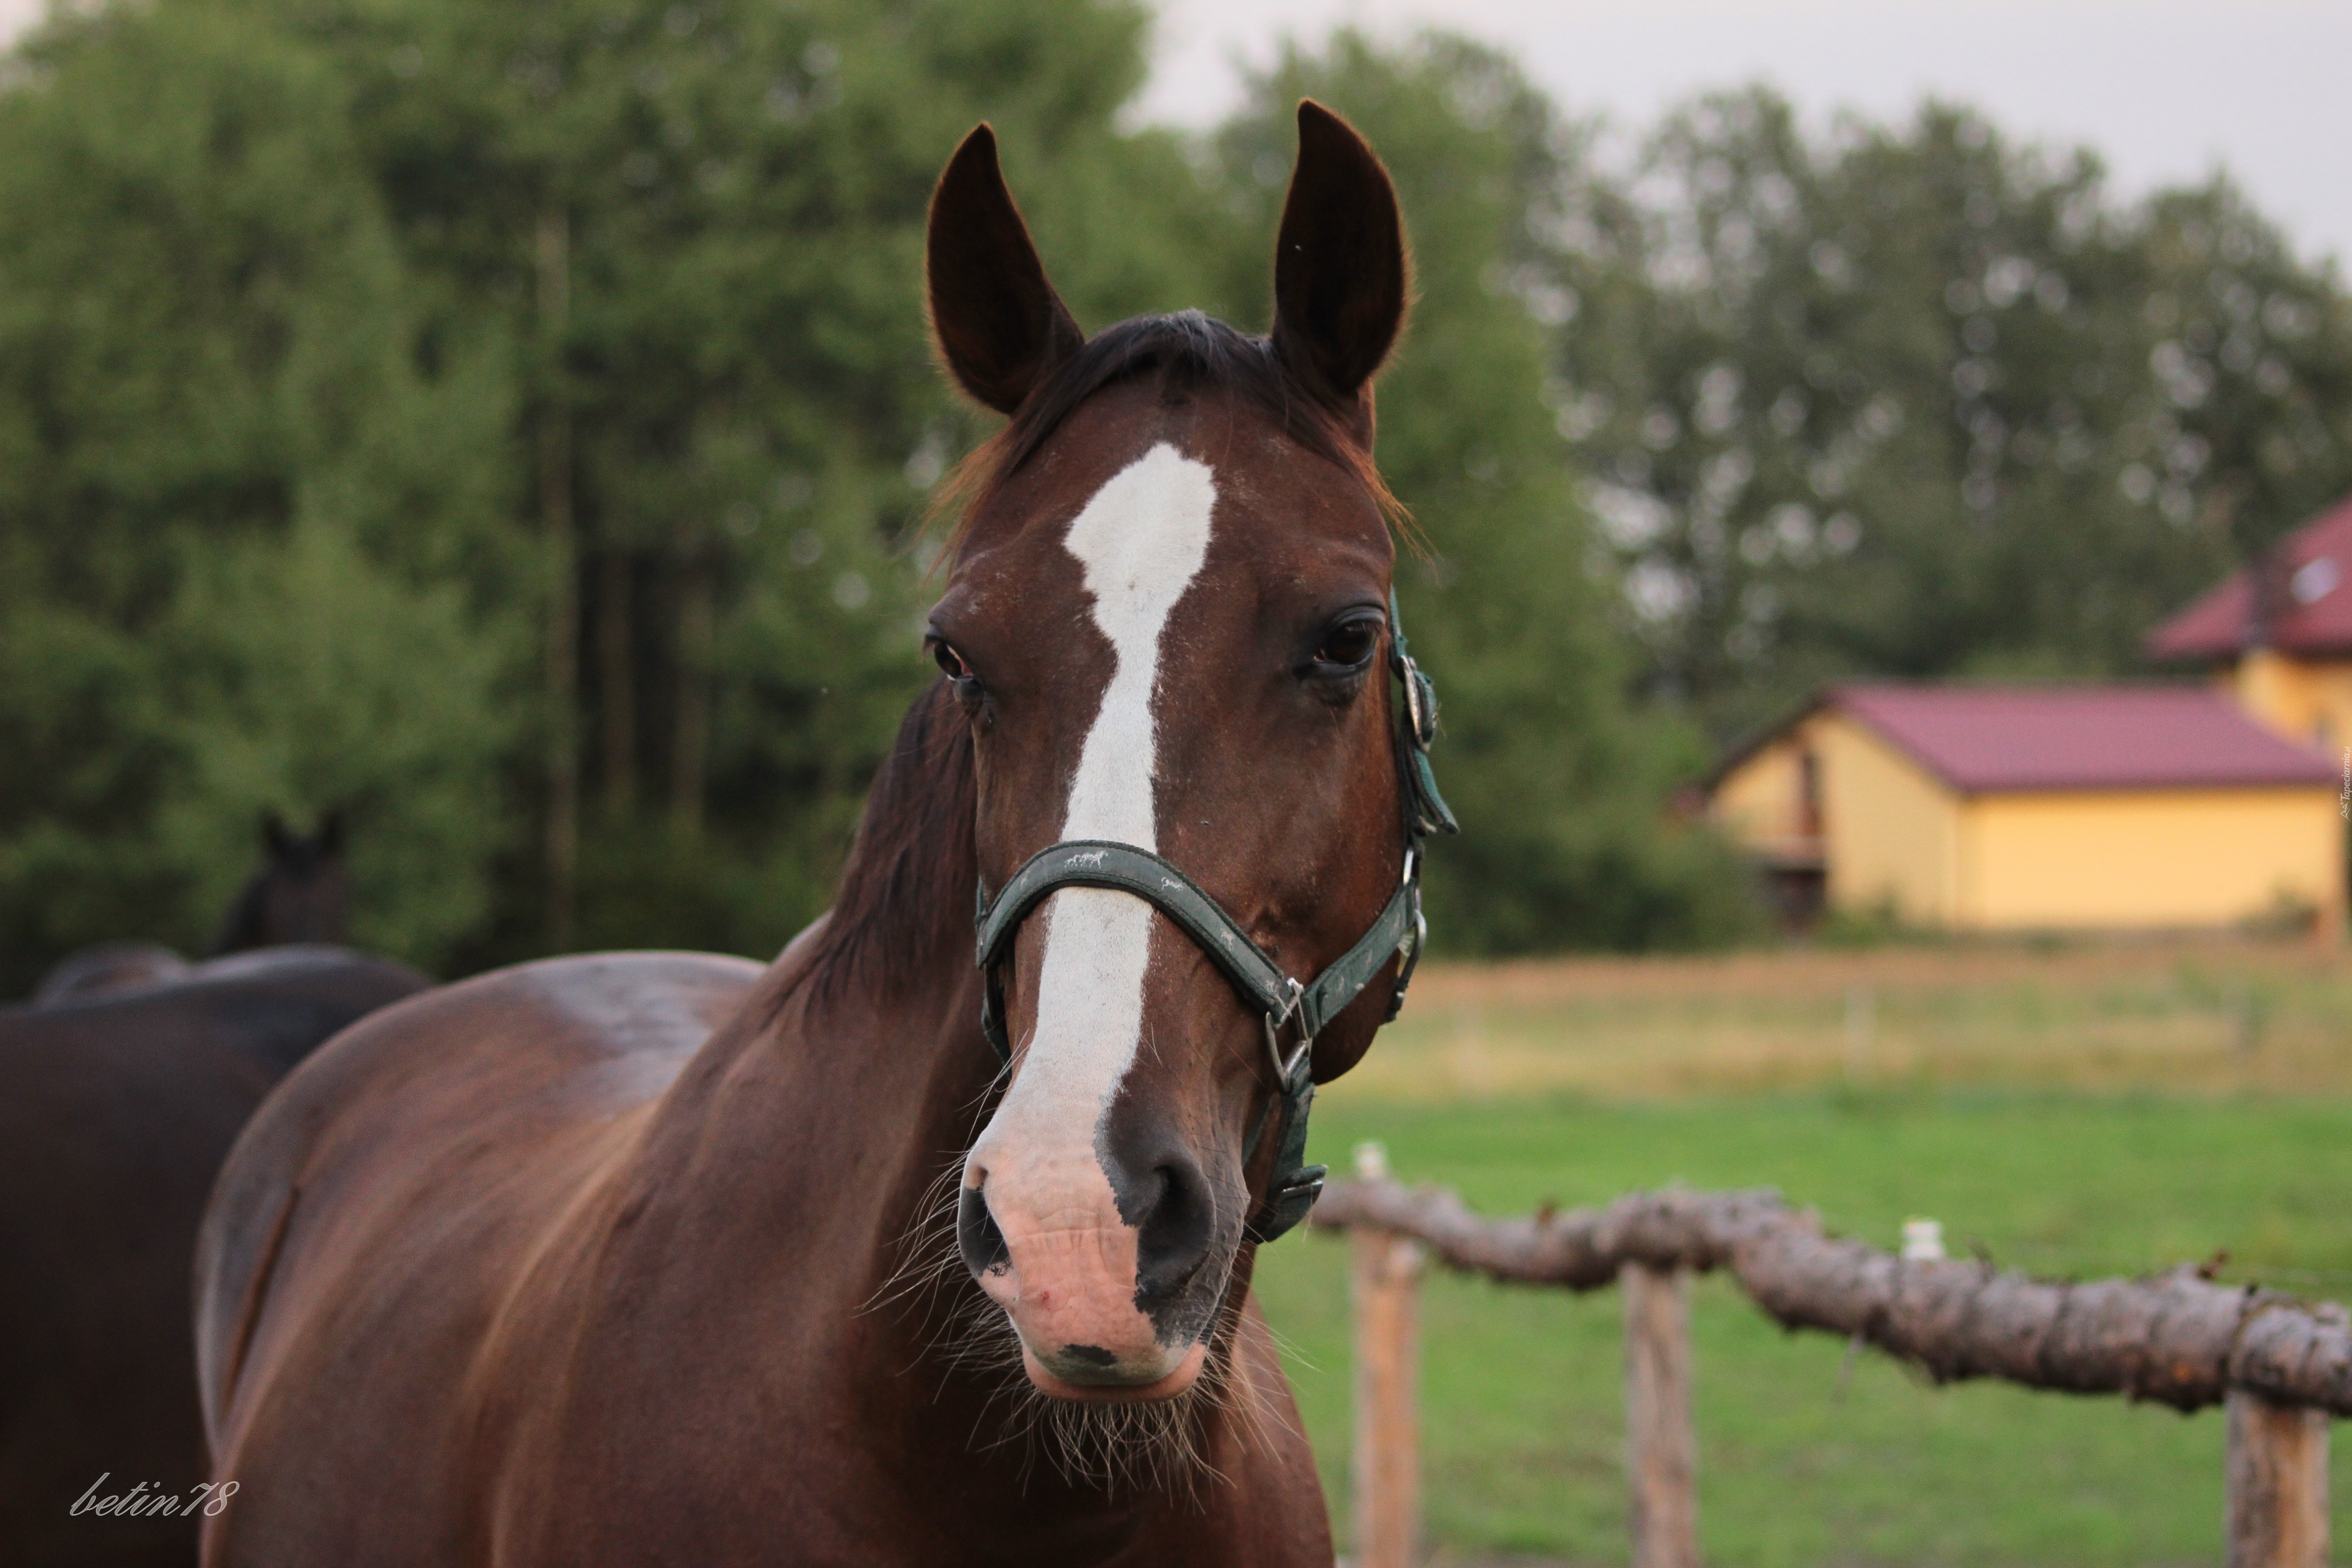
[1286,1072]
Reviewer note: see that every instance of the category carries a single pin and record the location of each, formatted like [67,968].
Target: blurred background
[508,429]
[509,426]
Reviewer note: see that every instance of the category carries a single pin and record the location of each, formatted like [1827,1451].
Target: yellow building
[2024,809]
[2278,636]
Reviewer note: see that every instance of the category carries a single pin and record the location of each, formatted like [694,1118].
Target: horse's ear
[330,832]
[1340,266]
[1000,326]
[275,837]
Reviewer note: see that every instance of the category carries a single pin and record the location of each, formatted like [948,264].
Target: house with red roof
[2278,636]
[2035,808]
[2201,803]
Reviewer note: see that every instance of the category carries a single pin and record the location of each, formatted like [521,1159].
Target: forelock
[1190,352]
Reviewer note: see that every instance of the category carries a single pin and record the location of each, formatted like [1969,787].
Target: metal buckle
[1286,1072]
[1422,727]
[1420,703]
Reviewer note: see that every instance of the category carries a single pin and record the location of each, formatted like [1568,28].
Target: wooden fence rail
[2281,1367]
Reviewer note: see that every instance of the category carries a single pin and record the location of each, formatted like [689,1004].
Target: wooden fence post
[1388,1375]
[1661,1454]
[2278,1484]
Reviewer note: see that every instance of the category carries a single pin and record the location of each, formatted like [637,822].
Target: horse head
[301,894]
[1167,623]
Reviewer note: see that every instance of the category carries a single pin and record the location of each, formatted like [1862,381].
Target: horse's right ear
[274,836]
[1000,326]
[1340,276]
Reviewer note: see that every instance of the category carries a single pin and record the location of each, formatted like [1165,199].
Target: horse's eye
[1348,645]
[951,662]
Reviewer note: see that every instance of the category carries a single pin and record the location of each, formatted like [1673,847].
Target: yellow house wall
[1760,803]
[2307,700]
[1890,831]
[2147,857]
[1890,828]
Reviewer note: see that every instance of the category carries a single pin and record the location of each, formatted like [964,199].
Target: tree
[737,381]
[596,332]
[1561,786]
[1917,402]
[201,363]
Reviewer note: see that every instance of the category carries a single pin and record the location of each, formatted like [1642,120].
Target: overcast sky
[2165,89]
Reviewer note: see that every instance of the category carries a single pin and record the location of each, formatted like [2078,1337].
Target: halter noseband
[1398,932]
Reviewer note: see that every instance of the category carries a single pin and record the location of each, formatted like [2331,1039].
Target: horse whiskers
[1157,1445]
[1145,1446]
[1154,1446]
[928,1251]
[1236,1390]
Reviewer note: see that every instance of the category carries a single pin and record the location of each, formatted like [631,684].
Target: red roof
[2311,588]
[1982,739]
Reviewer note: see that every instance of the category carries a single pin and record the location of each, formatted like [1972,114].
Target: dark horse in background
[117,1106]
[666,1258]
[301,894]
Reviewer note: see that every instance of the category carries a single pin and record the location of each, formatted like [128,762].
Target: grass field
[2072,1113]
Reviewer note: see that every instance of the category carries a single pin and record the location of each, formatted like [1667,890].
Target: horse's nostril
[977,1236]
[1173,1241]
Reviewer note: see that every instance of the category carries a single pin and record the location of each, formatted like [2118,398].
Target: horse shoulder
[336,1200]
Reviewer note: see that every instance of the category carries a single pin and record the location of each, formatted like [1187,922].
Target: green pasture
[1805,1458]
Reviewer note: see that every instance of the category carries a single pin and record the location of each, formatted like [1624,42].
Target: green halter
[1398,932]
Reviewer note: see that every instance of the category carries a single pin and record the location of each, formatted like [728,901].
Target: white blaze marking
[1141,541]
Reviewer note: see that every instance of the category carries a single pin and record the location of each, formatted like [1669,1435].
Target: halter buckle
[1285,1071]
[1420,703]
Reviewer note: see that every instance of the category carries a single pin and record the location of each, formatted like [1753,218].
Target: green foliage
[305,678]
[1916,401]
[297,302]
[699,227]
[511,425]
[211,440]
[1559,786]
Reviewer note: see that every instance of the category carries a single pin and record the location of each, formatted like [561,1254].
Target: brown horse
[301,895]
[115,1114]
[655,1259]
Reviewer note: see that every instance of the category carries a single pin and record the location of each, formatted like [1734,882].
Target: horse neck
[240,927]
[861,1051]
[907,1076]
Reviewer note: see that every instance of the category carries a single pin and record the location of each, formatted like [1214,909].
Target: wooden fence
[2280,1367]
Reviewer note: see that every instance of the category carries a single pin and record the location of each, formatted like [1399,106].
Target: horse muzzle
[1100,1312]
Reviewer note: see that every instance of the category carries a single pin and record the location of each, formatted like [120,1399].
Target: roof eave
[1756,739]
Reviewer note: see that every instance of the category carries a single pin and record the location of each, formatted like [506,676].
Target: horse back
[397,1185]
[116,1111]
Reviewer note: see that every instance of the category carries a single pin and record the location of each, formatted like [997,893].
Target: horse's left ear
[331,832]
[1000,325]
[276,837]
[1339,267]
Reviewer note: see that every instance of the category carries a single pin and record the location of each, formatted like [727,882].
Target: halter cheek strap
[1282,1002]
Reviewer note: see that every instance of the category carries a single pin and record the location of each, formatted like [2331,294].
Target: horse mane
[906,895]
[1190,352]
